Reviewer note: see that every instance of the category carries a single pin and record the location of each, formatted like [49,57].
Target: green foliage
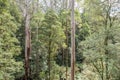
[100,47]
[3,5]
[97,40]
[48,37]
[52,31]
[9,46]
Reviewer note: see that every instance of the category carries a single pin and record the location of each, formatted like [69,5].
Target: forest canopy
[59,40]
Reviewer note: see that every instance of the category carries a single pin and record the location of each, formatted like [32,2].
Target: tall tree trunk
[72,42]
[49,60]
[107,19]
[63,56]
[67,61]
[67,50]
[106,61]
[27,47]
[27,12]
[67,47]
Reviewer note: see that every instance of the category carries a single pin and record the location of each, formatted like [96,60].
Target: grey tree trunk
[27,41]
[72,42]
[27,47]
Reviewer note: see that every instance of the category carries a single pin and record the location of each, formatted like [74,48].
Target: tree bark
[72,42]
[66,32]
[27,47]
[27,43]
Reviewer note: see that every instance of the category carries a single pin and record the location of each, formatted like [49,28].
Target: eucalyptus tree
[100,48]
[28,8]
[72,42]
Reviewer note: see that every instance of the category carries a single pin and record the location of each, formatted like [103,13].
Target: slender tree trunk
[67,51]
[67,63]
[106,44]
[67,48]
[72,42]
[63,56]
[106,61]
[49,60]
